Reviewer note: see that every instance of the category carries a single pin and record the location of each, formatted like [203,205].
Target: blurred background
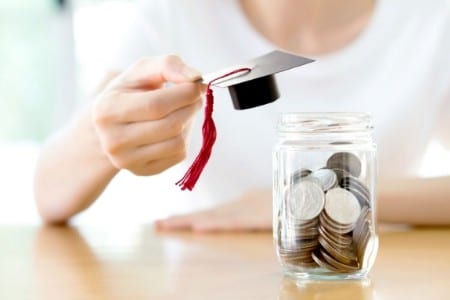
[51,58]
[52,55]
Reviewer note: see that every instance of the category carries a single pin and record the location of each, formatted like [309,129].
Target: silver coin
[299,174]
[306,200]
[327,178]
[363,244]
[337,240]
[312,179]
[344,255]
[355,183]
[369,249]
[354,266]
[360,232]
[341,143]
[362,198]
[342,206]
[364,220]
[308,265]
[307,224]
[332,226]
[318,258]
[346,161]
[340,173]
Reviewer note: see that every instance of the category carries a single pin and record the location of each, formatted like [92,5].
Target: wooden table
[139,263]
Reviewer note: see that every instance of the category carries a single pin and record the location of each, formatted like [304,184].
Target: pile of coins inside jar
[327,219]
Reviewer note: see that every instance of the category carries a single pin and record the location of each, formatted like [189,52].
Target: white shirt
[398,69]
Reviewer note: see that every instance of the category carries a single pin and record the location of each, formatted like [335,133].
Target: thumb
[153,72]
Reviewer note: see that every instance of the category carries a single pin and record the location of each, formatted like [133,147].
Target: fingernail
[191,73]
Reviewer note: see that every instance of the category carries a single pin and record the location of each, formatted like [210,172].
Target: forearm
[417,201]
[72,171]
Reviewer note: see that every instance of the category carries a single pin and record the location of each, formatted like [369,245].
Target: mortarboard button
[257,86]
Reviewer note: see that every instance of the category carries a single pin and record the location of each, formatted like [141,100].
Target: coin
[325,220]
[306,224]
[342,206]
[309,265]
[364,220]
[356,187]
[308,233]
[327,178]
[340,173]
[341,143]
[299,174]
[338,240]
[346,161]
[366,214]
[368,250]
[344,255]
[318,258]
[333,226]
[339,265]
[350,180]
[306,200]
[360,234]
[364,241]
[363,199]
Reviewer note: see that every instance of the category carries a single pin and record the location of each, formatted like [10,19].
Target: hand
[251,212]
[142,125]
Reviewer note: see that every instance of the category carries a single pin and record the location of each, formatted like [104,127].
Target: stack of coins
[337,221]
[328,217]
[305,201]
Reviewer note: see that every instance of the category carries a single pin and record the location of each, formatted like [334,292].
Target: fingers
[183,222]
[124,107]
[151,73]
[158,166]
[142,133]
[139,159]
[142,125]
[122,141]
[250,212]
[198,224]
[213,221]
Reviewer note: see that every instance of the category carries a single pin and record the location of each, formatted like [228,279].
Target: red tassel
[209,137]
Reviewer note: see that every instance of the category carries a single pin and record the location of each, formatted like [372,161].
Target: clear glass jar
[324,195]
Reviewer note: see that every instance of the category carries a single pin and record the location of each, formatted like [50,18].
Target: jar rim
[325,122]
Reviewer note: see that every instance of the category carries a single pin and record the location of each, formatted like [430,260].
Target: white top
[398,70]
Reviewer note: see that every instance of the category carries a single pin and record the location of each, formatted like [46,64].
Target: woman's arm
[72,171]
[415,201]
[134,124]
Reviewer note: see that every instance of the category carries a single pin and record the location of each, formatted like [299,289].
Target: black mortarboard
[257,86]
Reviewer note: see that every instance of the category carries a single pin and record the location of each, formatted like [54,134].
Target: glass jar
[324,195]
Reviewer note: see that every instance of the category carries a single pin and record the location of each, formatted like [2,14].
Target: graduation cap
[250,84]
[256,84]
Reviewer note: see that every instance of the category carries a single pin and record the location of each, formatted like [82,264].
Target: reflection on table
[138,263]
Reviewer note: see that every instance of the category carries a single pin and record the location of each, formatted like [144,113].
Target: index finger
[152,73]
